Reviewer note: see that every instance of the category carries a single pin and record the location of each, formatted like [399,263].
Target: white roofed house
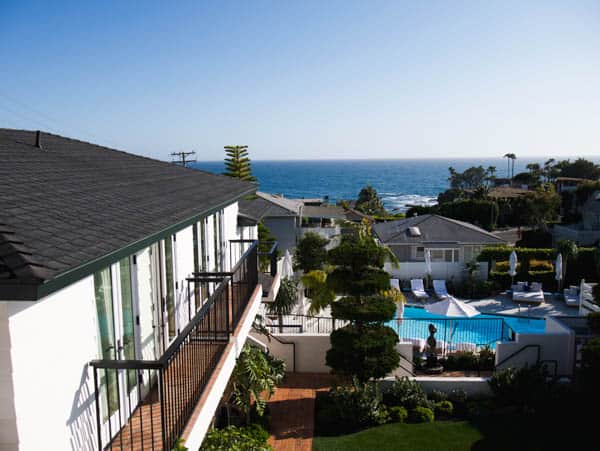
[126,295]
[451,244]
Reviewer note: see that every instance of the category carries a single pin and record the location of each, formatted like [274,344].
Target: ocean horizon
[399,182]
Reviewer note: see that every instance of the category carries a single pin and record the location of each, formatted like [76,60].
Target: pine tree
[237,163]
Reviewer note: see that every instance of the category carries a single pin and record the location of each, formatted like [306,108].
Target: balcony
[167,395]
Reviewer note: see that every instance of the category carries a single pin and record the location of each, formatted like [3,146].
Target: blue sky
[294,80]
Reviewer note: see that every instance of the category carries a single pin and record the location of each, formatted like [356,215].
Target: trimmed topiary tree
[365,348]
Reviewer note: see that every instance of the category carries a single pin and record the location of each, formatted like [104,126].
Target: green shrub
[487,358]
[457,396]
[376,308]
[366,352]
[443,409]
[524,388]
[590,360]
[437,396]
[398,414]
[234,438]
[593,321]
[461,361]
[540,265]
[350,408]
[406,393]
[421,415]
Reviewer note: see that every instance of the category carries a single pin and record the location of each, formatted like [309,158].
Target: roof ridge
[467,224]
[112,149]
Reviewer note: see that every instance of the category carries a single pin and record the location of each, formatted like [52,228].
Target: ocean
[399,183]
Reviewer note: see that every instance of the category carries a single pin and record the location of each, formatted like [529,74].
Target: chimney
[38,139]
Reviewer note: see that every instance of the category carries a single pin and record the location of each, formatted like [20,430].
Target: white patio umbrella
[512,270]
[452,307]
[287,269]
[428,262]
[558,267]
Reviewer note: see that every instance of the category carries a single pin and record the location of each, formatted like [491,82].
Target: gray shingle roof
[434,229]
[72,202]
[259,208]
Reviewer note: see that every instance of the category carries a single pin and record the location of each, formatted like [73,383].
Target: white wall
[556,344]
[51,342]
[439,270]
[311,349]
[8,423]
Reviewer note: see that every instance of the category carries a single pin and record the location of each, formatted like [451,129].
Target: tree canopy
[369,202]
[237,163]
[311,252]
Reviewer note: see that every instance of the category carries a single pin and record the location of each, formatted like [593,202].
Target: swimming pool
[480,330]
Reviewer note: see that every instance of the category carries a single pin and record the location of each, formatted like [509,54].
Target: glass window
[106,343]
[448,255]
[197,298]
[420,252]
[437,255]
[169,295]
[456,258]
[127,316]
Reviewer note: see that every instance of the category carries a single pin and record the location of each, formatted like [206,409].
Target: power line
[183,160]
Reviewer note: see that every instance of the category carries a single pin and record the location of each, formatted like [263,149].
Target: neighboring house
[279,214]
[586,232]
[125,296]
[569,184]
[451,244]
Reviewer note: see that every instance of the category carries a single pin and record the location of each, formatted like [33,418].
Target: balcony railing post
[274,260]
[97,398]
[163,419]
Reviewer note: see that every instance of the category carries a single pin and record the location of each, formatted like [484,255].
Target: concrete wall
[51,341]
[310,351]
[556,344]
[475,387]
[439,270]
[8,424]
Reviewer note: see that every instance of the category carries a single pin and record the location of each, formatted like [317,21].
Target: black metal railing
[477,331]
[162,394]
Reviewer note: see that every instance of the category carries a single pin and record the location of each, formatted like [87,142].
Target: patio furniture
[439,288]
[532,294]
[452,307]
[571,296]
[417,288]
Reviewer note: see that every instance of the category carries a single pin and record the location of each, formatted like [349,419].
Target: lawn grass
[441,435]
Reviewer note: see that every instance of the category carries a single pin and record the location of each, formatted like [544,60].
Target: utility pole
[183,160]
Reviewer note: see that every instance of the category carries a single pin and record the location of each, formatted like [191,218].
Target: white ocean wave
[396,202]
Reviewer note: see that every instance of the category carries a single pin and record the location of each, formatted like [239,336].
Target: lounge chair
[395,283]
[532,294]
[417,288]
[571,296]
[439,288]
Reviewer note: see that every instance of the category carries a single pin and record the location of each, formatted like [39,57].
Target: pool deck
[504,304]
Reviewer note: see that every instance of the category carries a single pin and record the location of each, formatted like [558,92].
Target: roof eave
[32,292]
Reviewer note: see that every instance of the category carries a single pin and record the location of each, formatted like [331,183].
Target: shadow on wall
[82,422]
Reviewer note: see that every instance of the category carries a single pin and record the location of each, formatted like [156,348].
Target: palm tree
[321,296]
[491,170]
[284,301]
[254,379]
[509,157]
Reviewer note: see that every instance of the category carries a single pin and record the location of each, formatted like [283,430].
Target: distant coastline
[400,182]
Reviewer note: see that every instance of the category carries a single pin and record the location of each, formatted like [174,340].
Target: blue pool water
[484,329]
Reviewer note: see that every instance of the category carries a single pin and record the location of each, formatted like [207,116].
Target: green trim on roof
[71,276]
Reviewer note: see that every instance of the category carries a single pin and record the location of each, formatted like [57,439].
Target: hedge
[536,264]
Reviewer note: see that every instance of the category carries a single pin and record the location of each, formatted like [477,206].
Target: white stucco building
[126,295]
